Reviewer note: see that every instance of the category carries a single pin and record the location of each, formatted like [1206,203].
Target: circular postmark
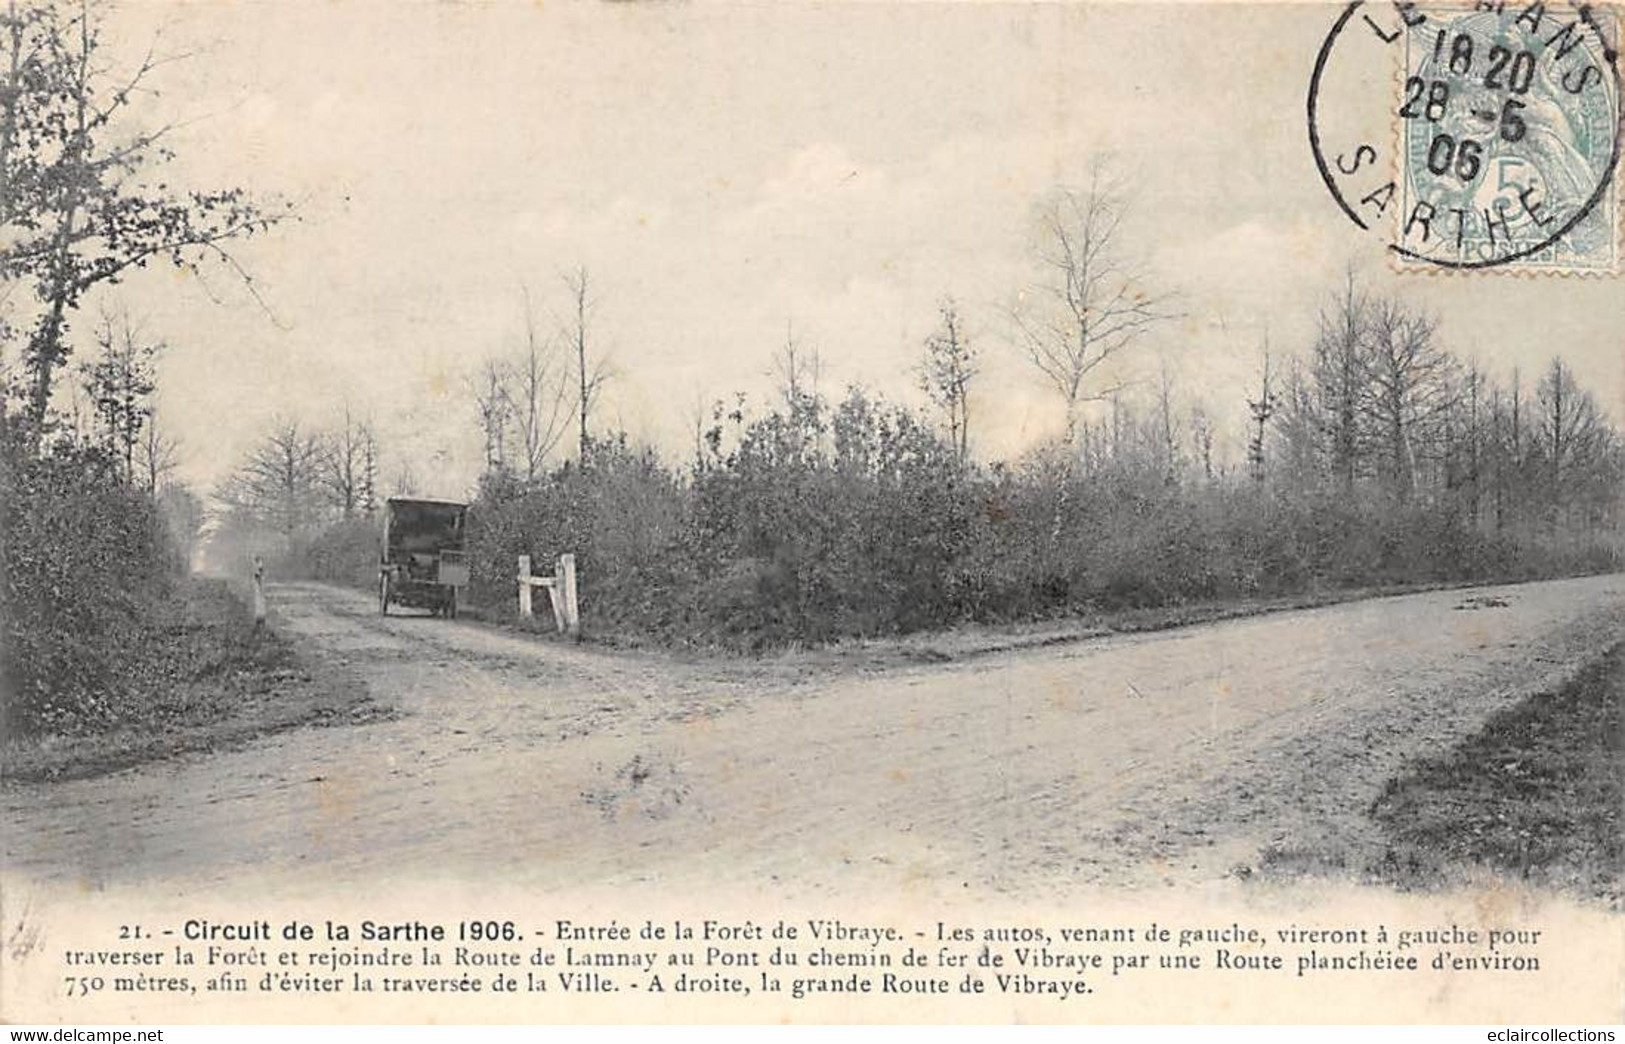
[1498,140]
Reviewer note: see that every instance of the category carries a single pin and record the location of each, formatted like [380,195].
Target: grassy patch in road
[1536,794]
[202,678]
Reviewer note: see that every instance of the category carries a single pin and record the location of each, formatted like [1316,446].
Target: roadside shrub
[344,553]
[623,517]
[84,564]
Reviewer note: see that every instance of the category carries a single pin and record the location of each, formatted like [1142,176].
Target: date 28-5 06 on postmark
[1507,135]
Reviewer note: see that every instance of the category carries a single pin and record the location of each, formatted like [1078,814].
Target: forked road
[1181,754]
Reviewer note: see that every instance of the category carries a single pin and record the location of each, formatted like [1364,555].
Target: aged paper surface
[1148,733]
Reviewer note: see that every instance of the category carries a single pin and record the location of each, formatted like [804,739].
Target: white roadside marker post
[561,592]
[259,593]
[570,619]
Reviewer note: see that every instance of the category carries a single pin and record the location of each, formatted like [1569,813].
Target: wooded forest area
[1373,456]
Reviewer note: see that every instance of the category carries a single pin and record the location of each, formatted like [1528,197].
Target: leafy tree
[83,200]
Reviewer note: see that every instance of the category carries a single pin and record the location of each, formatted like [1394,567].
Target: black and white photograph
[811,512]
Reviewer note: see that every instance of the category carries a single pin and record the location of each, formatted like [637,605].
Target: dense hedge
[343,553]
[809,525]
[872,527]
[85,562]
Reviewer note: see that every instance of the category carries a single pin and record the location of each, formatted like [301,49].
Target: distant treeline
[1376,458]
[1371,456]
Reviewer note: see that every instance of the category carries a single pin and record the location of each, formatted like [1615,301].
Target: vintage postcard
[811,512]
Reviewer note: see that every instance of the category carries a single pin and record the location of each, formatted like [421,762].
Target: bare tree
[490,400]
[1166,445]
[405,482]
[119,384]
[343,471]
[158,455]
[1338,372]
[1571,432]
[1092,301]
[591,374]
[696,415]
[1261,408]
[279,484]
[1409,377]
[798,370]
[1464,463]
[1201,427]
[1299,421]
[946,373]
[369,470]
[535,390]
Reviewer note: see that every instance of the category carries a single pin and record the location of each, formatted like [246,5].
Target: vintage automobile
[422,562]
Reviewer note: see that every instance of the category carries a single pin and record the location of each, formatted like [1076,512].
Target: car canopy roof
[423,525]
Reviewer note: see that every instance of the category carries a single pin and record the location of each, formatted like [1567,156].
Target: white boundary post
[561,592]
[572,613]
[259,592]
[556,598]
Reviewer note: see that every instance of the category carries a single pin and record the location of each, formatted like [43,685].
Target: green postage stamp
[1509,138]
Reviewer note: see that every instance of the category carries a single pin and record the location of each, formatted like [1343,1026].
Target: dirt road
[1182,755]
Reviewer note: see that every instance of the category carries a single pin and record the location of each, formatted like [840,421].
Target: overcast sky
[724,169]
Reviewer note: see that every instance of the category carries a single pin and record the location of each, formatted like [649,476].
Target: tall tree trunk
[581,357]
[8,118]
[47,346]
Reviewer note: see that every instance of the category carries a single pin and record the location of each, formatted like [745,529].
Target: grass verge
[959,642]
[1536,794]
[204,679]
